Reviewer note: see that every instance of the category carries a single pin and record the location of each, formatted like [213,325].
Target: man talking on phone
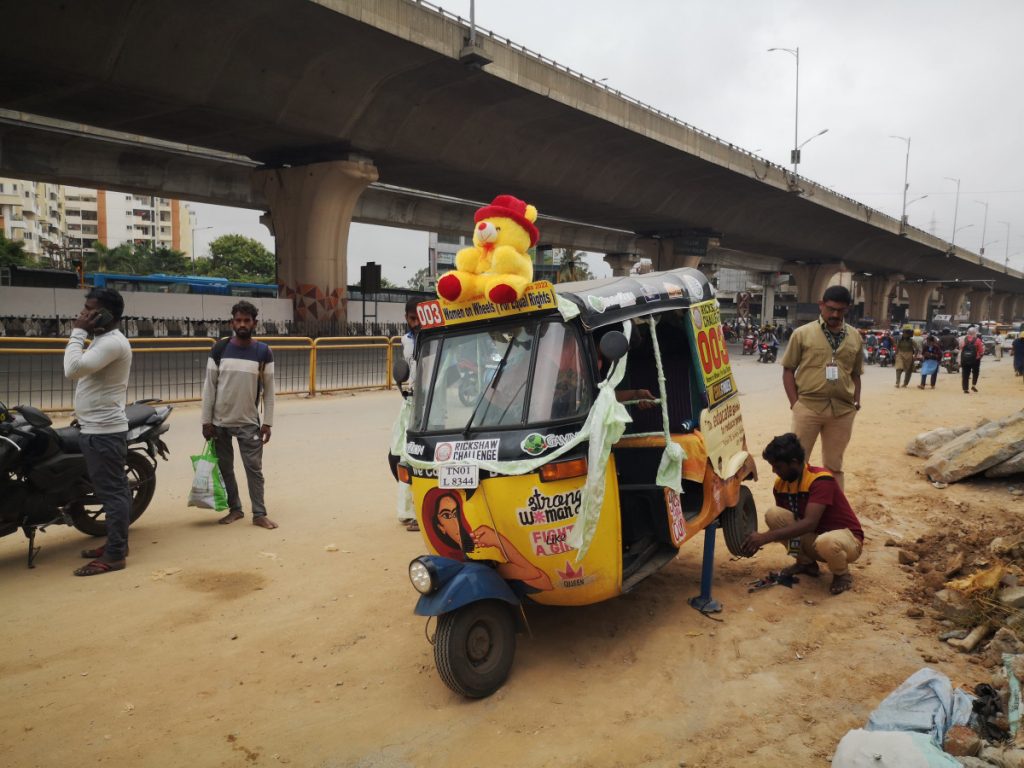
[101,373]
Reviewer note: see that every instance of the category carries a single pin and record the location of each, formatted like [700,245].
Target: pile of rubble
[993,448]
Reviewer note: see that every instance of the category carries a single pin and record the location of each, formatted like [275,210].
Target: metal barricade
[174,369]
[350,362]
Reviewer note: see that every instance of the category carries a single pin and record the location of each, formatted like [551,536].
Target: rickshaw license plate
[455,476]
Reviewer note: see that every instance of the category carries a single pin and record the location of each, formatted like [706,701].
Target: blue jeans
[105,457]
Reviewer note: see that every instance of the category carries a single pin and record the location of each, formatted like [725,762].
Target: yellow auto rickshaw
[561,449]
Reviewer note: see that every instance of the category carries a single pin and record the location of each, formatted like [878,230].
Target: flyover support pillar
[310,213]
[996,306]
[767,299]
[877,290]
[979,306]
[953,298]
[812,279]
[919,295]
[621,263]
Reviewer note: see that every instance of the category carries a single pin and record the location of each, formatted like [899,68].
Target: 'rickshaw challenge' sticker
[481,450]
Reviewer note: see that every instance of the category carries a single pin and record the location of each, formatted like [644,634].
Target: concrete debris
[1005,641]
[925,444]
[962,741]
[906,557]
[977,450]
[1012,466]
[1008,546]
[970,642]
[1012,597]
[953,565]
[953,605]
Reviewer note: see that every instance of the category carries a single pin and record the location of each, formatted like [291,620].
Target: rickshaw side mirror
[614,345]
[400,370]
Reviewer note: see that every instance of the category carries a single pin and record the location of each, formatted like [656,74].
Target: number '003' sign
[429,314]
[709,345]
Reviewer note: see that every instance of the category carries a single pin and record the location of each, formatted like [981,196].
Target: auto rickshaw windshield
[510,375]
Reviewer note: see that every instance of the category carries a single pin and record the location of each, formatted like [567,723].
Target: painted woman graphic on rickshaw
[449,532]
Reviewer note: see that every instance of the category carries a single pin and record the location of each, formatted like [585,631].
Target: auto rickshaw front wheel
[739,522]
[474,647]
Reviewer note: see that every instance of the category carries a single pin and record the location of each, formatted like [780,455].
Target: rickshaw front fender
[462,584]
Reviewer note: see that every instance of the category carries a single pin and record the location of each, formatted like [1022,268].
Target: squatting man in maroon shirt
[812,516]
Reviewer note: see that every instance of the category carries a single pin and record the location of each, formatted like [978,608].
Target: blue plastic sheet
[924,703]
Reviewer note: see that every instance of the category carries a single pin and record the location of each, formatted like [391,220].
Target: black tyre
[88,516]
[468,390]
[474,648]
[739,522]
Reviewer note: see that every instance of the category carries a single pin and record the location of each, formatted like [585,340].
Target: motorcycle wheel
[88,515]
[474,647]
[468,390]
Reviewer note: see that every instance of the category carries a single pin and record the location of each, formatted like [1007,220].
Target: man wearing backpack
[239,374]
[970,359]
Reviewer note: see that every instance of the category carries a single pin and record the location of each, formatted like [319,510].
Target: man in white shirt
[101,373]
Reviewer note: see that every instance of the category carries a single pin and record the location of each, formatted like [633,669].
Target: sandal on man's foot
[96,567]
[412,525]
[230,517]
[806,569]
[93,554]
[840,584]
[264,522]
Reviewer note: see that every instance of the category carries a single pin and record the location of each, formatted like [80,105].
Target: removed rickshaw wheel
[474,647]
[739,522]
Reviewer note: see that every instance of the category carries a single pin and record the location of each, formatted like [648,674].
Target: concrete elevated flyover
[330,95]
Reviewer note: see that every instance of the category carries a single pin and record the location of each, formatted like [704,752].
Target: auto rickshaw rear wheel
[739,522]
[474,647]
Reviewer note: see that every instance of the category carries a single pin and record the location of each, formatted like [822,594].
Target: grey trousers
[105,457]
[250,446]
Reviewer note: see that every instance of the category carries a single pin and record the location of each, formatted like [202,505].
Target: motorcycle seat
[138,414]
[68,439]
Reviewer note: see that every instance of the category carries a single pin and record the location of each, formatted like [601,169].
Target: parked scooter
[768,353]
[950,361]
[884,357]
[44,480]
[871,354]
[749,344]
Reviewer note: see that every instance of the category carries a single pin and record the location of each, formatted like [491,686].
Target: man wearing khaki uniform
[821,373]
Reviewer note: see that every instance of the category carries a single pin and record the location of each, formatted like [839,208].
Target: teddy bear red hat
[509,207]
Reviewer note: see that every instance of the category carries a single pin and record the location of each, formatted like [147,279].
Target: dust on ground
[233,645]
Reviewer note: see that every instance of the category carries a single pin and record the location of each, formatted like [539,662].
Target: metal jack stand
[704,602]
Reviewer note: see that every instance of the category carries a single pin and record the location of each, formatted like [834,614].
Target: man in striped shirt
[239,374]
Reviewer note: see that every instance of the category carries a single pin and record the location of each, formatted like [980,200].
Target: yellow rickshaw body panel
[534,520]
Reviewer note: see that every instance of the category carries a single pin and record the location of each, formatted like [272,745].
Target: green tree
[420,281]
[240,258]
[573,268]
[12,253]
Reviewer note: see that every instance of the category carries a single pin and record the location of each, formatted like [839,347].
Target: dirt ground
[233,645]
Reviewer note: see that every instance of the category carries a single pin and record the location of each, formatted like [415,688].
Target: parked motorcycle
[950,361]
[884,357]
[871,354]
[768,354]
[44,480]
[749,344]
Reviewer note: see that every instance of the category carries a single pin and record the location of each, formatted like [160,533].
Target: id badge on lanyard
[832,372]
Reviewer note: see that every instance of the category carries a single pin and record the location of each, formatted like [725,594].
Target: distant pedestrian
[239,376]
[931,354]
[412,321]
[1018,355]
[971,352]
[905,353]
[102,375]
[821,373]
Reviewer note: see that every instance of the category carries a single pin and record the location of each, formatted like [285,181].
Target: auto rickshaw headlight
[423,576]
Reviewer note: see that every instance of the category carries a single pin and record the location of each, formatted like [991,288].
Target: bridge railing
[174,369]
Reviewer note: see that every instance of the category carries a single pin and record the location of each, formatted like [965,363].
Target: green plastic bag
[207,484]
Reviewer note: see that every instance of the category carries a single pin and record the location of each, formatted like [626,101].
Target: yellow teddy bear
[497,266]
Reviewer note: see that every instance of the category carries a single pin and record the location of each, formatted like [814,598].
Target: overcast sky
[945,74]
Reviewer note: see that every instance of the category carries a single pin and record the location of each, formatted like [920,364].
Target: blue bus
[211,286]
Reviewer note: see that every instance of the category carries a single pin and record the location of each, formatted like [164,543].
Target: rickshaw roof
[614,299]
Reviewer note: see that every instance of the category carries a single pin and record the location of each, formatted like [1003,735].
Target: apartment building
[55,219]
[32,212]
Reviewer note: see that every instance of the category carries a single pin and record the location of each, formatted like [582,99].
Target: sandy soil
[232,645]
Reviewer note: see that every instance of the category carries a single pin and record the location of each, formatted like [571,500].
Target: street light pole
[984,227]
[906,186]
[1007,257]
[795,52]
[956,207]
[194,230]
